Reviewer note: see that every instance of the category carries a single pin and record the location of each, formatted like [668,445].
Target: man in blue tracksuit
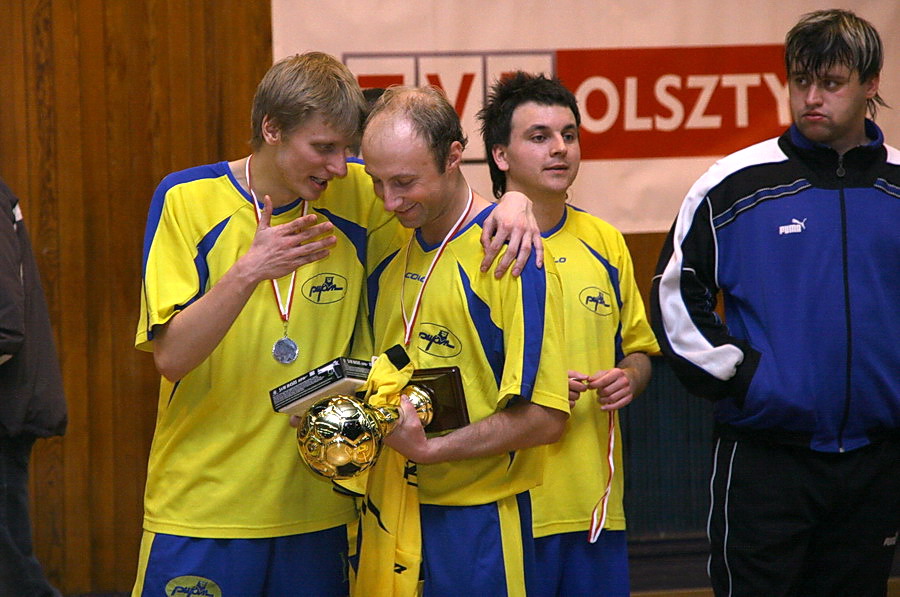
[801,235]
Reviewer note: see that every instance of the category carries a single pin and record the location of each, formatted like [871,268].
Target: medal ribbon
[283,310]
[598,519]
[410,322]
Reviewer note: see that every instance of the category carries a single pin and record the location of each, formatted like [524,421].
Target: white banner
[664,87]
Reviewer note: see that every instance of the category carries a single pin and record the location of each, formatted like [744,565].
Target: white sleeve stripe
[683,335]
[893,155]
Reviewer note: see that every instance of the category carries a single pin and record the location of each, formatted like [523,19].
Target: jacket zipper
[841,172]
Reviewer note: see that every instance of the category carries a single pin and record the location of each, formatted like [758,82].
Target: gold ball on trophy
[421,398]
[341,436]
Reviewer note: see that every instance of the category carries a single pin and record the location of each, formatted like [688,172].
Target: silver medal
[285,351]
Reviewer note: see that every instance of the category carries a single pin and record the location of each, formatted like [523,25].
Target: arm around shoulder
[511,222]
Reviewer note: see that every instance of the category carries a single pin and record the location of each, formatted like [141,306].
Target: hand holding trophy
[341,436]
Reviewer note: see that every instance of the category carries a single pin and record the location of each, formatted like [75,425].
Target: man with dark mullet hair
[530,132]
[799,234]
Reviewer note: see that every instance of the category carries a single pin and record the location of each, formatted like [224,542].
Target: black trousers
[20,572]
[786,520]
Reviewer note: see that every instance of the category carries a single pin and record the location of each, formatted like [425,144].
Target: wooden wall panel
[644,249]
[101,99]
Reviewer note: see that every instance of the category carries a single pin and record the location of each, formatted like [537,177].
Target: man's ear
[872,86]
[454,156]
[499,154]
[271,132]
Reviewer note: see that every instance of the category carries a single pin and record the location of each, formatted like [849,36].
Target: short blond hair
[299,86]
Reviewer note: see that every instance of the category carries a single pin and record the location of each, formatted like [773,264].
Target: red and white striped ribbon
[598,516]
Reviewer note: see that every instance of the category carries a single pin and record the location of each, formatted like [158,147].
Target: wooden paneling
[644,249]
[101,99]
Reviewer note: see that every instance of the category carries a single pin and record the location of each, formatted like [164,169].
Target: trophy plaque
[448,397]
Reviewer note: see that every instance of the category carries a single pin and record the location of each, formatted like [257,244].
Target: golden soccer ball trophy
[341,436]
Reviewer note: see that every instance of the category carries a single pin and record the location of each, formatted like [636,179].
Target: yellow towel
[391,550]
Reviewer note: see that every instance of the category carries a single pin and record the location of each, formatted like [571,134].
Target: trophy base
[340,376]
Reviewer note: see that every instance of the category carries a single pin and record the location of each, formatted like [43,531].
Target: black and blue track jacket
[804,246]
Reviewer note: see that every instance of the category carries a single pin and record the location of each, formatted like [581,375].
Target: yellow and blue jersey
[604,321]
[218,442]
[505,336]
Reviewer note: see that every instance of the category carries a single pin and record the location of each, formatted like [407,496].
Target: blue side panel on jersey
[534,296]
[159,198]
[490,335]
[352,230]
[203,248]
[373,284]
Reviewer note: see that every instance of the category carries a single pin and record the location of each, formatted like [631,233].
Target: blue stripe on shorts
[276,566]
[462,549]
[569,565]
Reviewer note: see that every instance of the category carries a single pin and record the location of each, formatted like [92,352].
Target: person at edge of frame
[32,402]
[799,236]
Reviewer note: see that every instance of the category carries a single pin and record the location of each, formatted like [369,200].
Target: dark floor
[668,564]
[678,564]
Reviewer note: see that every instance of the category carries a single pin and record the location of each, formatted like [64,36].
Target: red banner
[674,102]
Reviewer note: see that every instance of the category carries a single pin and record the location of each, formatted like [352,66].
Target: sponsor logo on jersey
[596,300]
[438,341]
[193,586]
[796,226]
[325,288]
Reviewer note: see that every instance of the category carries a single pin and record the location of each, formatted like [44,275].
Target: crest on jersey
[437,341]
[325,288]
[596,300]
